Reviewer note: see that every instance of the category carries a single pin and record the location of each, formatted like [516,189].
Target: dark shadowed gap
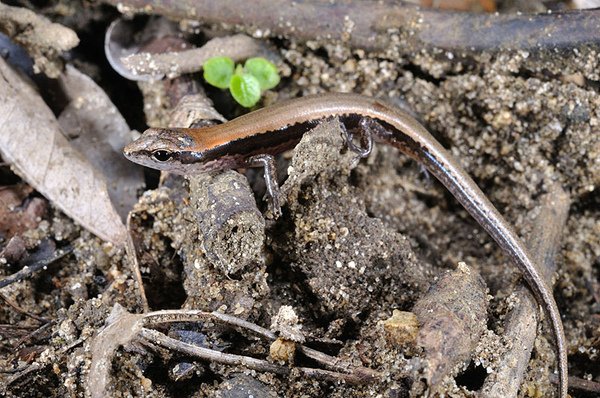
[472,378]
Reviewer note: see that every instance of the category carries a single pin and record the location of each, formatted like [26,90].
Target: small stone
[146,383]
[401,329]
[183,371]
[244,386]
[286,323]
[282,350]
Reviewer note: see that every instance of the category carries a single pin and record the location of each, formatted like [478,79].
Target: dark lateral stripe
[268,142]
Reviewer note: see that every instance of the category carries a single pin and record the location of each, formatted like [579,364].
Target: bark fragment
[521,324]
[453,316]
[367,24]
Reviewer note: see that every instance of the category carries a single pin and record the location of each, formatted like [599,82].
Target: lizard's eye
[161,155]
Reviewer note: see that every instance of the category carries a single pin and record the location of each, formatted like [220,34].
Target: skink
[252,139]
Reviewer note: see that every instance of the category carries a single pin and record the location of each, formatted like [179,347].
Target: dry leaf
[100,132]
[32,143]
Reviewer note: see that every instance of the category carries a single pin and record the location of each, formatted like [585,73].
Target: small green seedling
[246,83]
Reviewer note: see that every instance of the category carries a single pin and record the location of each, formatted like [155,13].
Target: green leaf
[245,89]
[264,71]
[239,70]
[218,71]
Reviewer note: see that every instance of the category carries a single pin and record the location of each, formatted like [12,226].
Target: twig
[152,337]
[21,310]
[322,358]
[329,375]
[12,371]
[126,327]
[366,24]
[28,271]
[210,355]
[172,64]
[39,365]
[23,372]
[172,316]
[578,383]
[34,333]
[15,331]
[233,321]
[365,375]
[130,249]
[521,325]
[23,327]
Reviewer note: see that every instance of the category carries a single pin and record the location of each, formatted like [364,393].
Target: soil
[357,239]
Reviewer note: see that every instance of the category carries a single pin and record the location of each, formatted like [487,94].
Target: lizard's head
[164,149]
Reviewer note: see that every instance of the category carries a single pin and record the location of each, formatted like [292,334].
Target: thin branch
[28,271]
[172,64]
[521,324]
[207,354]
[39,365]
[35,333]
[172,316]
[356,373]
[126,327]
[578,383]
[19,327]
[233,321]
[134,264]
[151,338]
[322,374]
[20,310]
[366,24]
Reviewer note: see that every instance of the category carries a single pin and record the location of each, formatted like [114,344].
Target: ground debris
[401,329]
[517,120]
[331,231]
[44,158]
[45,41]
[286,323]
[453,316]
